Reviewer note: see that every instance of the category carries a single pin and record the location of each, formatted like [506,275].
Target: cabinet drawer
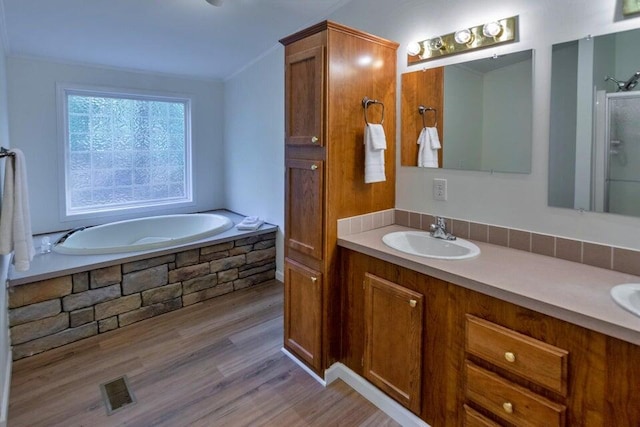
[475,419]
[510,402]
[534,360]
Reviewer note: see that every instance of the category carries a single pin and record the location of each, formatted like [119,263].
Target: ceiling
[179,37]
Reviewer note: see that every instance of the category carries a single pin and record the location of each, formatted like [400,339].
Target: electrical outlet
[440,189]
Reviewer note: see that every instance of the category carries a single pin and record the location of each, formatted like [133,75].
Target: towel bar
[5,153]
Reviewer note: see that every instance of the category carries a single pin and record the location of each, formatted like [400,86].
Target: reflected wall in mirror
[483,113]
[594,138]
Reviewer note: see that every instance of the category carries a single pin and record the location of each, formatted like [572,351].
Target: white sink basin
[627,296]
[422,244]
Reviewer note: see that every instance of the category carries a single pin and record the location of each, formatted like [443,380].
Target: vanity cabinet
[325,82]
[393,318]
[488,362]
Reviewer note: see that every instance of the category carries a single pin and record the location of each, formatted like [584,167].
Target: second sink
[422,244]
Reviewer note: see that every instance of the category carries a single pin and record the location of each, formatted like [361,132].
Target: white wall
[254,142]
[33,127]
[5,348]
[512,200]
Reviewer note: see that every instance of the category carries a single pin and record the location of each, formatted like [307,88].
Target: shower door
[622,177]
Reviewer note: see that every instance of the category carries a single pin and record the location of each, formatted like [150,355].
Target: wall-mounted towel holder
[5,153]
[422,110]
[365,105]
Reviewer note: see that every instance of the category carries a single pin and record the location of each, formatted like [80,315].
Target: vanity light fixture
[478,37]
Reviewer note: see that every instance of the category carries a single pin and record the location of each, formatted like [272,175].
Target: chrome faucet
[439,230]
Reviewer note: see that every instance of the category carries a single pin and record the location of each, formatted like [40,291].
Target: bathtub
[142,234]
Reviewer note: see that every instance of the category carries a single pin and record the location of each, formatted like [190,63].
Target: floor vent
[117,394]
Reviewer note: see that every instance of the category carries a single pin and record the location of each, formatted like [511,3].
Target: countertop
[566,290]
[52,264]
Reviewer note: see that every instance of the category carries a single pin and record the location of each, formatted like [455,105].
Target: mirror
[594,135]
[481,109]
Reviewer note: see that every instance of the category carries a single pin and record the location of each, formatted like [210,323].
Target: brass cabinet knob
[314,280]
[510,357]
[314,167]
[413,303]
[508,407]
[314,139]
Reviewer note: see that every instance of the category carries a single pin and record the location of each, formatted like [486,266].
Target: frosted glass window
[124,151]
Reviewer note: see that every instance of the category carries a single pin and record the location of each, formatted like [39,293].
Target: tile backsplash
[609,257]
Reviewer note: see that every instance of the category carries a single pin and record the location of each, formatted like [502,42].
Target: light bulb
[492,29]
[414,48]
[463,36]
[436,43]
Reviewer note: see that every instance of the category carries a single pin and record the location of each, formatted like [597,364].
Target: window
[124,151]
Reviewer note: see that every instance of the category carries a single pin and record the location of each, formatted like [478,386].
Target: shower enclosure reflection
[594,153]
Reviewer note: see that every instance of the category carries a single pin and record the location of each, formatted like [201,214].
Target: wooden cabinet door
[304,97]
[302,312]
[393,340]
[304,206]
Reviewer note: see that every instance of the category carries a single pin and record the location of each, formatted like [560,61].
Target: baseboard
[4,409]
[383,402]
[303,366]
[279,276]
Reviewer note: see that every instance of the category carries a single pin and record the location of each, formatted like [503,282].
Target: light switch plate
[439,189]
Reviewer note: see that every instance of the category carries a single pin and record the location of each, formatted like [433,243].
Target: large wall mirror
[594,140]
[481,109]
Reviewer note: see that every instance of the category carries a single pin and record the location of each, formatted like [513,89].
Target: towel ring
[422,110]
[5,153]
[365,105]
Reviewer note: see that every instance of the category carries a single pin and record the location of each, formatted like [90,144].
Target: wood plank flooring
[217,363]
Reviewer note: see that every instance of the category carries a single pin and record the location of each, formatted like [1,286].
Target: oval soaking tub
[142,234]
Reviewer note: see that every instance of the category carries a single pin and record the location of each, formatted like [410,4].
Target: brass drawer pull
[314,280]
[508,407]
[314,139]
[314,167]
[413,303]
[510,357]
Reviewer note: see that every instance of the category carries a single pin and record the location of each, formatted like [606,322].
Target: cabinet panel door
[304,101]
[393,340]
[302,312]
[304,207]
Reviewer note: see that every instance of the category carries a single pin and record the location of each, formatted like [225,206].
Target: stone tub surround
[576,293]
[53,312]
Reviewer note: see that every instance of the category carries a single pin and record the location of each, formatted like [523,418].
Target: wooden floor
[217,363]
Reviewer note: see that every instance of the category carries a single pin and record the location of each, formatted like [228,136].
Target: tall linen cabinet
[329,69]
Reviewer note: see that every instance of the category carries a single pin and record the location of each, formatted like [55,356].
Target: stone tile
[478,232]
[221,247]
[130,267]
[106,325]
[543,244]
[402,217]
[240,250]
[254,280]
[148,311]
[414,220]
[262,255]
[186,258]
[145,279]
[269,243]
[39,328]
[520,240]
[216,255]
[81,317]
[227,275]
[207,294]
[568,249]
[36,311]
[626,261]
[56,340]
[161,294]
[460,228]
[597,255]
[117,306]
[227,263]
[199,284]
[256,270]
[44,290]
[190,272]
[498,236]
[91,297]
[105,276]
[247,241]
[80,282]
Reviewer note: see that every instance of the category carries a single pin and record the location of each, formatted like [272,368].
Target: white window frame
[65,89]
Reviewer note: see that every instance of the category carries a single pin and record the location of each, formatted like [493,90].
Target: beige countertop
[573,292]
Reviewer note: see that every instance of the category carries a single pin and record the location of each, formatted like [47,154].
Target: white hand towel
[374,145]
[250,223]
[429,145]
[15,218]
